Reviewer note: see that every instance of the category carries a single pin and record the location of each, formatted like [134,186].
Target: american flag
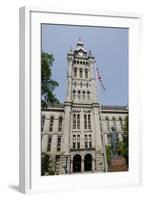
[100,79]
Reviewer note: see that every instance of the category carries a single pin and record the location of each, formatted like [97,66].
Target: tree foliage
[46,165]
[47,84]
[123,146]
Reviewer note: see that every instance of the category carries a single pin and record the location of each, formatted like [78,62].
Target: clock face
[80,53]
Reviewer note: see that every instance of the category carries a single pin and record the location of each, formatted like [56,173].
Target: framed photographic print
[79,125]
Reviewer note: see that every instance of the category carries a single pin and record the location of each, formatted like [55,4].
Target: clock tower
[82,135]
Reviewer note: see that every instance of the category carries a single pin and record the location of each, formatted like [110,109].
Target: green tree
[46,165]
[47,84]
[123,145]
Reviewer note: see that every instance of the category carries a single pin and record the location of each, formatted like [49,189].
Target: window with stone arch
[79,94]
[89,121]
[86,73]
[121,123]
[74,141]
[78,141]
[81,73]
[88,95]
[74,121]
[51,123]
[74,94]
[86,142]
[60,124]
[75,72]
[78,121]
[90,141]
[83,94]
[114,122]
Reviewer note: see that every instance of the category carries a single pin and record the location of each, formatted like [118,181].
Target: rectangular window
[42,122]
[74,121]
[49,143]
[85,121]
[89,122]
[60,124]
[78,121]
[51,124]
[59,144]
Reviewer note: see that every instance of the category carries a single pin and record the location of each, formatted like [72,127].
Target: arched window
[81,84]
[89,122]
[77,62]
[74,94]
[81,62]
[60,124]
[85,121]
[74,121]
[78,121]
[79,94]
[83,94]
[74,61]
[78,141]
[86,142]
[90,141]
[51,124]
[81,73]
[74,141]
[75,72]
[88,95]
[86,73]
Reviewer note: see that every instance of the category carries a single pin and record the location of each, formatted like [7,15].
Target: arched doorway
[77,163]
[88,162]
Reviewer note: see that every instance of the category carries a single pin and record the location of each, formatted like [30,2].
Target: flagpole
[101,126]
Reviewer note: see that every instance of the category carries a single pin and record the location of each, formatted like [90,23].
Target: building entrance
[88,162]
[77,163]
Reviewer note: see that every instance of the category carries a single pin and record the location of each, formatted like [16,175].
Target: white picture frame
[30,178]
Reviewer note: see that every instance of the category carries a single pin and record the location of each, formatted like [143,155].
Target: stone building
[73,134]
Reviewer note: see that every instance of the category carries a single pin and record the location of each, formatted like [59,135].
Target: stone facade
[74,134]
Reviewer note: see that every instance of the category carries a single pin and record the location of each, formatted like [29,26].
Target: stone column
[82,165]
[93,165]
[67,129]
[44,143]
[71,166]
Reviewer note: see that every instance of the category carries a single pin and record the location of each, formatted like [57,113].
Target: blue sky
[108,45]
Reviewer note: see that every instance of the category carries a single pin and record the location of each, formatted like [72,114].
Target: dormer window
[75,72]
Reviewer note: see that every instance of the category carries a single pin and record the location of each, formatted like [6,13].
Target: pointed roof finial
[71,50]
[90,53]
[80,42]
